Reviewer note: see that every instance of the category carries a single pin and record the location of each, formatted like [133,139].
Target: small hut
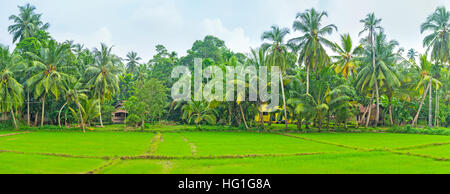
[119,116]
[363,114]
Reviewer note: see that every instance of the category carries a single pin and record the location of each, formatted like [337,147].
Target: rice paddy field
[202,152]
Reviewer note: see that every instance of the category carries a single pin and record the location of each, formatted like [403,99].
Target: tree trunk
[307,79]
[243,116]
[143,124]
[430,106]
[36,119]
[28,107]
[370,109]
[436,114]
[391,119]
[261,116]
[284,102]
[14,118]
[424,95]
[79,111]
[230,114]
[43,108]
[100,111]
[59,114]
[376,80]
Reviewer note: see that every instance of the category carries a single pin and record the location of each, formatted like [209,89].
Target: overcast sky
[140,25]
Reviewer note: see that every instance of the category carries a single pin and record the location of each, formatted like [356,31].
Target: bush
[132,120]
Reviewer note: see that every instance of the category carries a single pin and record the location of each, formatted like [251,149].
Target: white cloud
[91,40]
[162,12]
[235,39]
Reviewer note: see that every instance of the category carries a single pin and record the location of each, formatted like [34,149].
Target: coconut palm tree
[132,61]
[371,25]
[49,66]
[26,24]
[346,61]
[426,79]
[102,76]
[11,91]
[258,58]
[278,56]
[384,74]
[312,51]
[412,54]
[73,91]
[199,111]
[438,42]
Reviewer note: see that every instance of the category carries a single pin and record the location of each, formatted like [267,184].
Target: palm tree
[311,44]
[258,58]
[426,79]
[102,76]
[26,24]
[73,91]
[11,91]
[133,61]
[412,54]
[347,59]
[371,24]
[278,56]
[49,66]
[439,40]
[199,111]
[384,73]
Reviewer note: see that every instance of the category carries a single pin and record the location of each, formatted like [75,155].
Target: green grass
[175,149]
[377,140]
[38,164]
[349,163]
[75,143]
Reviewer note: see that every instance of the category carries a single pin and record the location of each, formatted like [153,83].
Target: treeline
[370,82]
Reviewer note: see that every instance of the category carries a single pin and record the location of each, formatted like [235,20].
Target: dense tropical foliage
[322,82]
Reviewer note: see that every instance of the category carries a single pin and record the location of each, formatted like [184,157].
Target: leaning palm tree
[312,51]
[439,39]
[132,61]
[26,24]
[278,56]
[49,66]
[73,92]
[346,61]
[102,76]
[371,25]
[426,79]
[11,91]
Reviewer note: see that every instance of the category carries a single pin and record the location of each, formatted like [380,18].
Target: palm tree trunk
[307,79]
[376,80]
[100,111]
[391,119]
[284,102]
[370,109]
[14,118]
[59,114]
[243,116]
[430,106]
[424,95]
[36,119]
[79,111]
[261,116]
[28,107]
[436,114]
[230,114]
[43,112]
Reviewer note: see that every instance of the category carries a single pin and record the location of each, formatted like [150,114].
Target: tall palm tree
[102,76]
[312,51]
[49,66]
[258,58]
[426,79]
[132,61]
[278,56]
[412,54]
[439,39]
[11,91]
[371,25]
[347,58]
[26,23]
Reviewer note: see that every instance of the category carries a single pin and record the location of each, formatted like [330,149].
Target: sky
[140,25]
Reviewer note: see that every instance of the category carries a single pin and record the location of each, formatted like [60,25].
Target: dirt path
[11,134]
[192,145]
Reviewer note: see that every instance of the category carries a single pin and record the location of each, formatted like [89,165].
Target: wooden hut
[119,116]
